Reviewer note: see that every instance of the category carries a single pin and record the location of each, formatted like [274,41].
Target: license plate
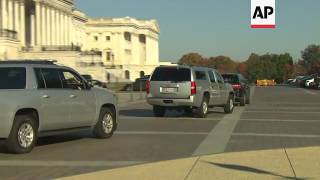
[169,90]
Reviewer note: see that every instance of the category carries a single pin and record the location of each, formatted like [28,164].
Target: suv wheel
[228,108]
[243,100]
[106,124]
[23,135]
[159,111]
[202,111]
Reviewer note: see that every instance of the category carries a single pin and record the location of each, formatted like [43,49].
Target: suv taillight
[193,88]
[236,86]
[148,87]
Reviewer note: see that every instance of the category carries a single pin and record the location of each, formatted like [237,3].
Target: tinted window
[12,78]
[171,74]
[40,80]
[230,78]
[201,75]
[52,78]
[71,81]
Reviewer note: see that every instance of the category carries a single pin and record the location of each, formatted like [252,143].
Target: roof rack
[29,61]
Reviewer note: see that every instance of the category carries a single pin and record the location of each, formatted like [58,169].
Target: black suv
[240,86]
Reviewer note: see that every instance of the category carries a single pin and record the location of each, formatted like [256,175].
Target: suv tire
[243,100]
[159,111]
[202,111]
[106,124]
[23,135]
[228,108]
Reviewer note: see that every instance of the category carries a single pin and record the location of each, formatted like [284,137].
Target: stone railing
[8,33]
[90,64]
[91,53]
[113,66]
[61,48]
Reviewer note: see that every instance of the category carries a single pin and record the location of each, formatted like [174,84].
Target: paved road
[278,117]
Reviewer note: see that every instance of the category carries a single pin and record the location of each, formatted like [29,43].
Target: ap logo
[263,14]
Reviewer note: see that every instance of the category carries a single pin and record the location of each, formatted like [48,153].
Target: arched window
[127,74]
[108,76]
[142,73]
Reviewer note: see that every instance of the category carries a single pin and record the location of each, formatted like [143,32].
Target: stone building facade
[110,49]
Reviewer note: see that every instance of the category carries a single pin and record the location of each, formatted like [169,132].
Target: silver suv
[40,98]
[188,88]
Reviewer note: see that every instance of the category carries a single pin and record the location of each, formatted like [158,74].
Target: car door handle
[46,96]
[73,96]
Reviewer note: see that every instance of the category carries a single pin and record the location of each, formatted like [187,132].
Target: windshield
[12,78]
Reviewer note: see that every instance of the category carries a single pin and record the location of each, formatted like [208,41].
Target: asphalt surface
[278,117]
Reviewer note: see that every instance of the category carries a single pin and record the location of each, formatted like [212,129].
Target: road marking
[287,103]
[218,138]
[277,135]
[280,120]
[68,163]
[284,112]
[310,92]
[159,133]
[167,118]
[261,108]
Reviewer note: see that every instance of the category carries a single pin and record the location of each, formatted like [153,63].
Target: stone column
[48,27]
[33,29]
[10,14]
[53,27]
[38,24]
[22,24]
[43,25]
[58,28]
[17,18]
[71,30]
[4,14]
[61,28]
[67,38]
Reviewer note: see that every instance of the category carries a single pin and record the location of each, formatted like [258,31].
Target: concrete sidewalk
[299,163]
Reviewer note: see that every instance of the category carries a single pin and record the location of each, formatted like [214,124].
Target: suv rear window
[230,78]
[171,74]
[12,78]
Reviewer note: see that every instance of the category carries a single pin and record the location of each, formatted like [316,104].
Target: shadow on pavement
[170,113]
[56,139]
[63,138]
[252,170]
[136,112]
[3,149]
